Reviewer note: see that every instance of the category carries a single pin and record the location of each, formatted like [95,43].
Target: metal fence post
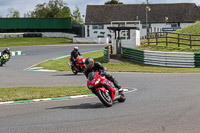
[190,41]
[156,38]
[166,39]
[178,40]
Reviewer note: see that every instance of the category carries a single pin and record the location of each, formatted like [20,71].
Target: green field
[191,29]
[30,41]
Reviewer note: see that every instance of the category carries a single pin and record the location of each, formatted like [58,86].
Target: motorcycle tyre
[122,98]
[1,63]
[101,95]
[74,72]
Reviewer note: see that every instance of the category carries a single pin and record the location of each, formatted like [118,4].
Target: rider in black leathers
[6,51]
[92,66]
[74,54]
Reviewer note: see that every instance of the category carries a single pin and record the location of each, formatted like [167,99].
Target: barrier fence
[14,53]
[176,38]
[106,55]
[158,58]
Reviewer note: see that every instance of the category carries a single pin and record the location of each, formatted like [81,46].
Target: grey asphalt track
[14,74]
[168,103]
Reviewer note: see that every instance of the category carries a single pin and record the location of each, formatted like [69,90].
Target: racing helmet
[7,49]
[76,48]
[89,62]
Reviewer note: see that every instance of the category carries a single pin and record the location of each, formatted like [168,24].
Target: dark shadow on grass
[81,106]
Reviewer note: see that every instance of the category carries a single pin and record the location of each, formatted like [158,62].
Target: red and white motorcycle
[104,89]
[80,67]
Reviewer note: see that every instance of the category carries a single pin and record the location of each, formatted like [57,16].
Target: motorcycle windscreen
[91,75]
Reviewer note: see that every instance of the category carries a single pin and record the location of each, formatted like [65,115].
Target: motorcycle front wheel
[105,98]
[74,72]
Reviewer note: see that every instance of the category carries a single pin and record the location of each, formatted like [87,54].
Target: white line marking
[45,99]
[79,96]
[45,70]
[7,102]
[128,90]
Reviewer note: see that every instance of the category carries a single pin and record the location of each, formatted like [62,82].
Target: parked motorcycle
[104,89]
[4,59]
[79,67]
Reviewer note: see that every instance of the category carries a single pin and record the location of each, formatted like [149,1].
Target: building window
[144,26]
[97,27]
[174,25]
[94,26]
[101,26]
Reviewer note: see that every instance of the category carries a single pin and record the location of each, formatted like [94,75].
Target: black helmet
[89,62]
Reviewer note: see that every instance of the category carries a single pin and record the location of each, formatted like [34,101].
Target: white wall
[9,35]
[94,35]
[155,28]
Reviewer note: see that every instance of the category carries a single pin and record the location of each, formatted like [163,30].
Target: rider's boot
[118,87]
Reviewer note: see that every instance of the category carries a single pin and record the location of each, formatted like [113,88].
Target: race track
[166,103]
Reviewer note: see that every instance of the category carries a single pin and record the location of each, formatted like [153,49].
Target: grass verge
[134,67]
[28,93]
[61,65]
[30,41]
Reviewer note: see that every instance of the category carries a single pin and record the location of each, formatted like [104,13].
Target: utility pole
[147,9]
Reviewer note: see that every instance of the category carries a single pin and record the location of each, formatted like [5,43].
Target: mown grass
[27,93]
[61,65]
[134,67]
[191,29]
[30,41]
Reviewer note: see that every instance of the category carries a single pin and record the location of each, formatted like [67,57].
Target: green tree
[113,2]
[76,16]
[52,9]
[13,13]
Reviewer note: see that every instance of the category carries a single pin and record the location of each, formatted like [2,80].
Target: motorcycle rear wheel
[1,63]
[104,98]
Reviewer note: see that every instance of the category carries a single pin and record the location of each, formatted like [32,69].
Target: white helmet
[76,48]
[7,49]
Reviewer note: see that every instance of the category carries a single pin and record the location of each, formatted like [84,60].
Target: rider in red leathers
[92,66]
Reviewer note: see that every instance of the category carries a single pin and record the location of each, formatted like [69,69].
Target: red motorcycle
[104,89]
[79,67]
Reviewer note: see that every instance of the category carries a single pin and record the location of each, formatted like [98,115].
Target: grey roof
[178,12]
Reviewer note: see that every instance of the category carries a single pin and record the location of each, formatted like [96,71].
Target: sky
[24,6]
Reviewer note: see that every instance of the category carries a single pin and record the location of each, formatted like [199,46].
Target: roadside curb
[14,53]
[56,98]
[47,99]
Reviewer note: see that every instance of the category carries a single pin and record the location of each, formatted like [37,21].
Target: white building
[159,17]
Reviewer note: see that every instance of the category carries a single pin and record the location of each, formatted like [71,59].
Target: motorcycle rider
[74,54]
[92,66]
[6,51]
